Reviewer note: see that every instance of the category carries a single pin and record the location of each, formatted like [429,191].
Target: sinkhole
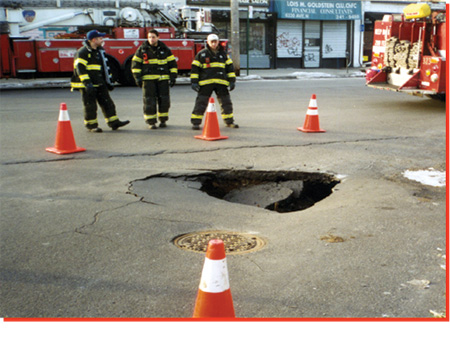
[279,191]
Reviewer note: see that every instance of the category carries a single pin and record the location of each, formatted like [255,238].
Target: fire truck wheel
[440,97]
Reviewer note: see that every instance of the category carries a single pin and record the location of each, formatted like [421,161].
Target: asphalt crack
[162,152]
[84,229]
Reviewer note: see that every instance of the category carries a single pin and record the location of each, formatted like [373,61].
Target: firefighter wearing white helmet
[212,71]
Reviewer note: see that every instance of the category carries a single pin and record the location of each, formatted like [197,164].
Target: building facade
[304,33]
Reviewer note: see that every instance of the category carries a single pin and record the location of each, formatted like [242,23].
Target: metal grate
[235,243]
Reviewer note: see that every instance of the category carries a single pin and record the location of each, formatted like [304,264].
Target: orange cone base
[214,305]
[311,124]
[65,141]
[311,131]
[57,151]
[211,138]
[211,129]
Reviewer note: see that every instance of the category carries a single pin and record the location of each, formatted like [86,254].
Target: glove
[195,87]
[172,82]
[139,83]
[232,86]
[90,90]
[110,87]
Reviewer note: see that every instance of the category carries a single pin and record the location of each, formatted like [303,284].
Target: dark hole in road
[280,191]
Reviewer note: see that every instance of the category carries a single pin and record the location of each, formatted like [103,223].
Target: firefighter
[212,70]
[154,69]
[91,76]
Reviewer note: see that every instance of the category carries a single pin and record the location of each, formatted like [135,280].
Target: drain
[235,243]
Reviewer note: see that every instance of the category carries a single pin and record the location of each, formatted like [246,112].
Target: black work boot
[233,126]
[195,127]
[95,130]
[118,124]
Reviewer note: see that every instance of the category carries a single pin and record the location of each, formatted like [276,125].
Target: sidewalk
[253,74]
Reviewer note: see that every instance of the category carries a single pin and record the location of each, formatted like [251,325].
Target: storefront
[255,21]
[313,34]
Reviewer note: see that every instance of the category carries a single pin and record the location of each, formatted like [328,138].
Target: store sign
[255,3]
[318,10]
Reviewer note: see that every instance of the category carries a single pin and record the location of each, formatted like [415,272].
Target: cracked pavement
[77,242]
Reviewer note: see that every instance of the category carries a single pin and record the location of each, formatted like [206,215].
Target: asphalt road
[80,239]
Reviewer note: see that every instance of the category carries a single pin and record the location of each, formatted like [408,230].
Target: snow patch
[311,75]
[427,177]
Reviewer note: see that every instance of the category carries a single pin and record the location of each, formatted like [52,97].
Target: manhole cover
[235,243]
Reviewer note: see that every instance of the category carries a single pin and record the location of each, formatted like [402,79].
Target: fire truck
[409,53]
[66,22]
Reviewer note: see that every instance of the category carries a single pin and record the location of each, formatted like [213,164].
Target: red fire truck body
[21,56]
[409,56]
[56,55]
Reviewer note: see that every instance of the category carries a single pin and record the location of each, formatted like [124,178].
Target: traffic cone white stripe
[63,116]
[312,112]
[211,106]
[313,103]
[214,276]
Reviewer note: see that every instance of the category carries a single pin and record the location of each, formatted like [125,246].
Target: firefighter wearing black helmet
[212,71]
[91,76]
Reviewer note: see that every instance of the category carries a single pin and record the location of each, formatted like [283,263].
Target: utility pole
[235,41]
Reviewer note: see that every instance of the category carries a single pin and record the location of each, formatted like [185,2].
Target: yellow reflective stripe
[147,117]
[77,85]
[80,60]
[196,63]
[214,65]
[137,59]
[231,75]
[163,114]
[214,80]
[194,76]
[196,116]
[174,70]
[156,77]
[94,67]
[170,58]
[150,77]
[92,121]
[229,61]
[84,77]
[157,61]
[134,71]
[227,116]
[111,119]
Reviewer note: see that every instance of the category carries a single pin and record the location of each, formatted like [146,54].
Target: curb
[65,83]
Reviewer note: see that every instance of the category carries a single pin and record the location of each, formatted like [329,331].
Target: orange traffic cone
[65,141]
[312,117]
[214,295]
[211,129]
